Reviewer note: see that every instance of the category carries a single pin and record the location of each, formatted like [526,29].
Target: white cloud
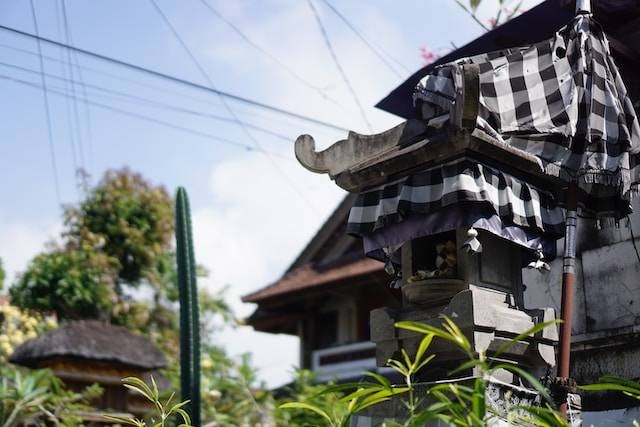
[255,227]
[262,216]
[21,241]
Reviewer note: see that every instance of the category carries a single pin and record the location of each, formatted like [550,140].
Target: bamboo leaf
[308,407]
[466,365]
[528,377]
[424,362]
[529,332]
[478,403]
[422,348]
[381,379]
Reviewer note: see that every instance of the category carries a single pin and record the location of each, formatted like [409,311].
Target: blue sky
[252,213]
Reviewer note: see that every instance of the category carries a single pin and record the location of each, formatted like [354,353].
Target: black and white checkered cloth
[562,100]
[459,182]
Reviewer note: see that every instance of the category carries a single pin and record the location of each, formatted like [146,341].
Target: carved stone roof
[91,340]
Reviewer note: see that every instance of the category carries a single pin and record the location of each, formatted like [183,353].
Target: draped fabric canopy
[561,100]
[429,202]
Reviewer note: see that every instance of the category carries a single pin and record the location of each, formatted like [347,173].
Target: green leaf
[424,363]
[478,404]
[308,407]
[528,333]
[611,383]
[398,367]
[527,376]
[338,388]
[358,393]
[139,386]
[184,415]
[381,379]
[466,365]
[422,348]
[123,420]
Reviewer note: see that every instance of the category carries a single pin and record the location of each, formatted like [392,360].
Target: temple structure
[476,265]
[86,352]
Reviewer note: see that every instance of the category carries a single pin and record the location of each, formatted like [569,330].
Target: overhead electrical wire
[209,80]
[76,113]
[148,118]
[71,125]
[286,120]
[76,60]
[150,102]
[178,80]
[377,50]
[266,53]
[341,71]
[120,78]
[52,152]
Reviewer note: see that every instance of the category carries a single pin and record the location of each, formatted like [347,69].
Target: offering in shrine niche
[444,263]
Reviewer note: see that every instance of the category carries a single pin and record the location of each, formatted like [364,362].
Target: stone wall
[606,323]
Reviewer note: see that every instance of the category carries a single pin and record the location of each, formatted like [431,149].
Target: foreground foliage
[40,398]
[164,414]
[454,403]
[17,326]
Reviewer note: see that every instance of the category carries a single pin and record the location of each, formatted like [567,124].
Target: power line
[87,110]
[343,74]
[150,119]
[376,49]
[285,120]
[206,76]
[72,126]
[151,102]
[174,79]
[73,83]
[52,151]
[69,116]
[260,49]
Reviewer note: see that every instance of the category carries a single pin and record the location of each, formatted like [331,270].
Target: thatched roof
[91,340]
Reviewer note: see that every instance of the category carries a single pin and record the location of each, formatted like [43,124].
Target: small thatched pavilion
[84,352]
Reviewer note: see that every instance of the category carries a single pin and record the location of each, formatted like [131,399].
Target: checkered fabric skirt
[459,182]
[562,100]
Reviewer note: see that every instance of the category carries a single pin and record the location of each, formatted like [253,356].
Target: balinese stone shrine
[465,206]
[507,148]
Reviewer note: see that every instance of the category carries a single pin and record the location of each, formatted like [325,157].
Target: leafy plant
[38,397]
[163,413]
[365,394]
[3,275]
[17,326]
[73,283]
[454,403]
[611,383]
[306,389]
[463,405]
[126,218]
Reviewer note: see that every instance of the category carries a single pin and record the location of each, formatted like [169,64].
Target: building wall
[607,300]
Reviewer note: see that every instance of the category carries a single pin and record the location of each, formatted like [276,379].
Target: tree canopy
[118,236]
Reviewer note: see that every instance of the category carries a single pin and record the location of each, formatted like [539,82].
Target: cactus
[189,322]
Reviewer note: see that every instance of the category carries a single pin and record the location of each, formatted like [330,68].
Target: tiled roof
[306,278]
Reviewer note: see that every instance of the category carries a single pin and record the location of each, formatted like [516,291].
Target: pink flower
[427,55]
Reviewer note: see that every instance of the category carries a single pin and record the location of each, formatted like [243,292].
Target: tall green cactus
[189,322]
